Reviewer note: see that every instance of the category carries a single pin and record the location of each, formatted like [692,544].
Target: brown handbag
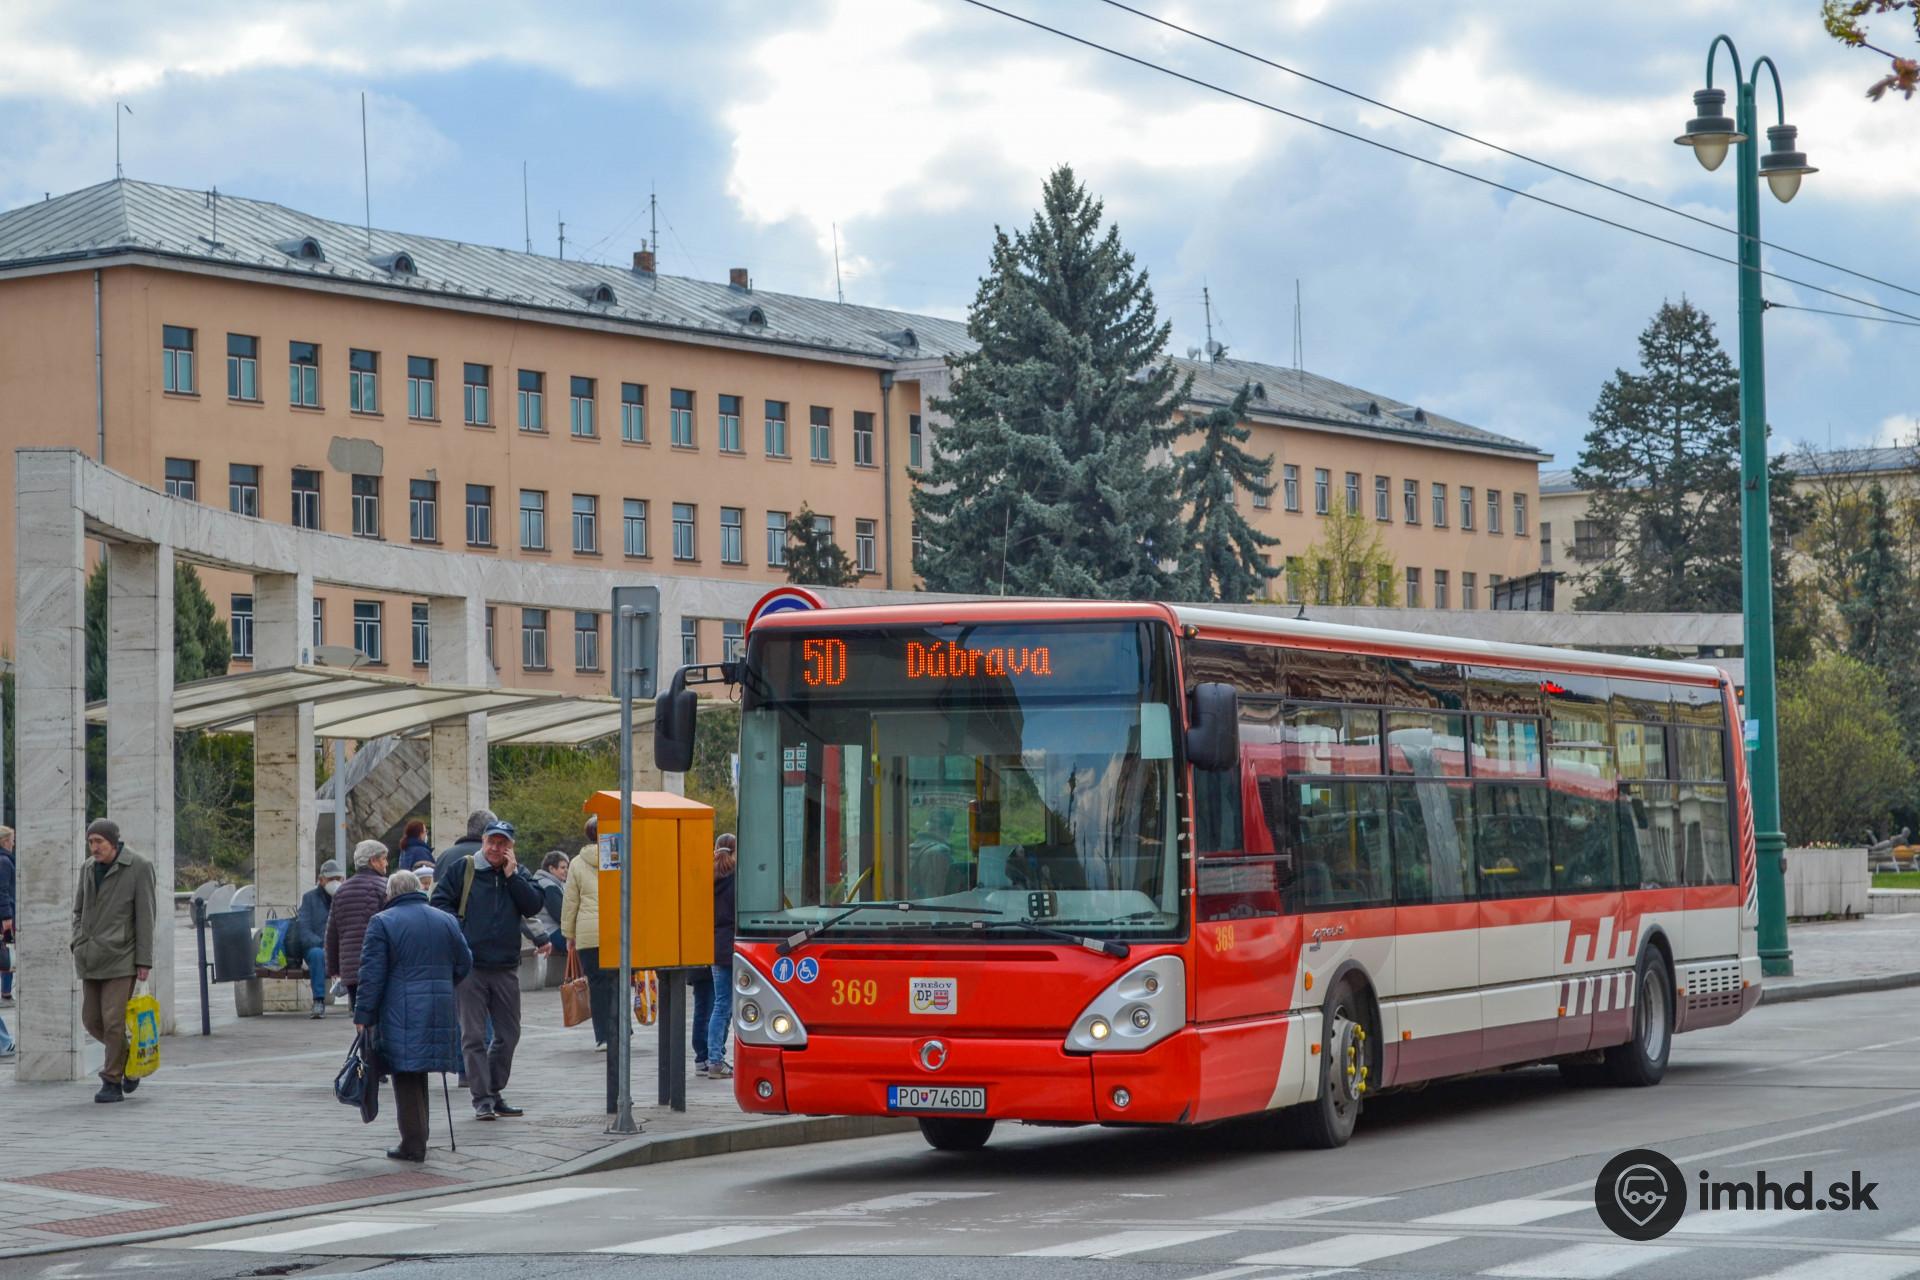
[576,1006]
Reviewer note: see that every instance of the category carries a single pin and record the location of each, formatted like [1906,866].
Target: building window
[1323,584]
[820,433]
[1382,500]
[533,519]
[1262,501]
[776,428]
[1353,493]
[422,634]
[1410,501]
[689,641]
[303,375]
[243,489]
[919,544]
[306,499]
[243,367]
[479,515]
[1469,591]
[176,359]
[477,395]
[1546,542]
[366,506]
[733,548]
[183,478]
[421,381]
[729,414]
[1519,515]
[866,543]
[633,526]
[1322,484]
[1439,513]
[319,622]
[1466,507]
[862,439]
[683,543]
[580,407]
[733,641]
[1493,511]
[1293,579]
[1290,486]
[586,524]
[1413,588]
[533,639]
[633,413]
[1590,541]
[916,445]
[363,381]
[776,539]
[680,418]
[586,642]
[423,510]
[366,630]
[1440,585]
[492,661]
[240,621]
[533,396]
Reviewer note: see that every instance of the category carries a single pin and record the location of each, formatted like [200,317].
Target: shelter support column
[50,760]
[140,782]
[675,612]
[457,654]
[284,859]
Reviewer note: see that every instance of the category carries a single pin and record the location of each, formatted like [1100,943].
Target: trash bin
[232,945]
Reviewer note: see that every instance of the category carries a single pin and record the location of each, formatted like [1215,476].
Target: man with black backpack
[490,895]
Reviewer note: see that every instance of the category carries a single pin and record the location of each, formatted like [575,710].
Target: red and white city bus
[1148,864]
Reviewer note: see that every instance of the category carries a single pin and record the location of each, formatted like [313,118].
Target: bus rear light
[1142,1007]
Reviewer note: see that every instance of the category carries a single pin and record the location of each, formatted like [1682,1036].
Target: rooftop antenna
[366,181]
[1206,302]
[653,226]
[526,218]
[563,235]
[213,203]
[118,107]
[838,292]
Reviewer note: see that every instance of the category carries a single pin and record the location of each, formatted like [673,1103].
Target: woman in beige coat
[580,925]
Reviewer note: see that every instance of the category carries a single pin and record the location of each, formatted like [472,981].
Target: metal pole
[200,941]
[623,642]
[1776,958]
[340,803]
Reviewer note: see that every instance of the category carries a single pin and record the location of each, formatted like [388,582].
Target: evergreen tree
[1346,565]
[1879,613]
[1053,478]
[814,559]
[1224,557]
[1663,465]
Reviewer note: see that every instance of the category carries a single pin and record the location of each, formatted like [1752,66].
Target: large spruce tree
[1052,477]
[1662,464]
[1224,558]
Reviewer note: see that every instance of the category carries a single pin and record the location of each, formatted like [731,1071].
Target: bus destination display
[1103,658]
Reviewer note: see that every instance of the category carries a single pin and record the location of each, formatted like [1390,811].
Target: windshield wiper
[801,938]
[1107,946]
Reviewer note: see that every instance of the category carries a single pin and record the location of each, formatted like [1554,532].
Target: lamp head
[1711,131]
[1782,166]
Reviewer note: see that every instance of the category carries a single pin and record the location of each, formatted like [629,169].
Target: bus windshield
[1007,772]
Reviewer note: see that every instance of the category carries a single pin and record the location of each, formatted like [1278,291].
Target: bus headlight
[762,1015]
[1142,1007]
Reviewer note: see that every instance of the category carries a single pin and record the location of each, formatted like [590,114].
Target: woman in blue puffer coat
[412,959]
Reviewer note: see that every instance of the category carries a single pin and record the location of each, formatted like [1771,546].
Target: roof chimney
[737,278]
[643,260]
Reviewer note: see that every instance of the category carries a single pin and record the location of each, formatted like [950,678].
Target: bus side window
[1216,811]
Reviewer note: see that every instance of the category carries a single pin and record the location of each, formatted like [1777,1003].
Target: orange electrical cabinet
[672,881]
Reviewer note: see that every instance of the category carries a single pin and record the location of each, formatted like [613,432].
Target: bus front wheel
[1642,1060]
[1346,1071]
[952,1133]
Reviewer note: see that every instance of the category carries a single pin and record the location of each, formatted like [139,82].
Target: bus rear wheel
[1346,1071]
[954,1133]
[1642,1060]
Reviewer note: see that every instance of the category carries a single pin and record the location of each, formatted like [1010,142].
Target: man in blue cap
[490,895]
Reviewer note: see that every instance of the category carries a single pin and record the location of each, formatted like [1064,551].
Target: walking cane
[447,1097]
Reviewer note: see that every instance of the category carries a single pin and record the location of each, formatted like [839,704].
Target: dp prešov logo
[1640,1195]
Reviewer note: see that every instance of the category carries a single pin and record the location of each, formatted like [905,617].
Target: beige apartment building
[508,404]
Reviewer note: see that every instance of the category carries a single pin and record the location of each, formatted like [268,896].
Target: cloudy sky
[917,125]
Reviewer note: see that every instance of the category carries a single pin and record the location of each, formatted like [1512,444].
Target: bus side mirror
[673,718]
[1213,732]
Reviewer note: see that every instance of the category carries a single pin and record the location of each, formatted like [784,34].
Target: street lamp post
[1710,133]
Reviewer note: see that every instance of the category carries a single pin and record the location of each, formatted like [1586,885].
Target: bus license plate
[920,1097]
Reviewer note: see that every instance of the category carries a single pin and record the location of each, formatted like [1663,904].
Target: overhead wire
[1414,156]
[1464,136]
[1771,305]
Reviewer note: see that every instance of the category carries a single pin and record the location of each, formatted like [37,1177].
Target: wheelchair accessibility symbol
[809,969]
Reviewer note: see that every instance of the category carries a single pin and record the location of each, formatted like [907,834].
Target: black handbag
[358,1083]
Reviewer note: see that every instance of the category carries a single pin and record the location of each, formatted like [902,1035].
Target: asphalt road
[1492,1177]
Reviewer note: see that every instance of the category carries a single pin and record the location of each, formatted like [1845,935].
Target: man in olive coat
[112,946]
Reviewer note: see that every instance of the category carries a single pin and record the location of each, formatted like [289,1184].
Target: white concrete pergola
[64,498]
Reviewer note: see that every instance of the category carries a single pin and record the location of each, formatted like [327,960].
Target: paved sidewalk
[1836,956]
[245,1122]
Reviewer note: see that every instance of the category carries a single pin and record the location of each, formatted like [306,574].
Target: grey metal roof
[1558,480]
[122,216]
[1289,393]
[1872,460]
